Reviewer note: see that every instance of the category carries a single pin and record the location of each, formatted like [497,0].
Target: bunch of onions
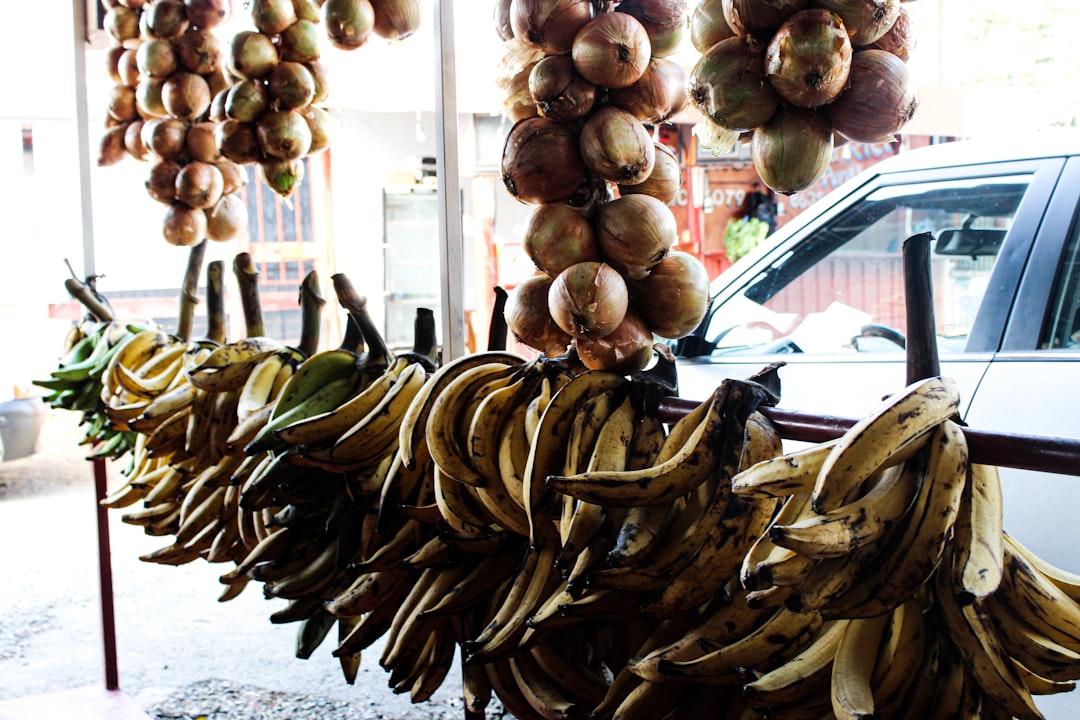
[664,20]
[665,180]
[658,94]
[541,161]
[673,298]
[627,349]
[557,236]
[549,25]
[612,50]
[729,86]
[588,300]
[793,150]
[879,100]
[528,318]
[865,20]
[616,146]
[635,233]
[808,59]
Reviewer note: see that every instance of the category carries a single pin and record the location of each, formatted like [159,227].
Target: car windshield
[840,289]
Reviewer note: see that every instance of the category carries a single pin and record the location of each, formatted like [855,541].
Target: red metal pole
[108,618]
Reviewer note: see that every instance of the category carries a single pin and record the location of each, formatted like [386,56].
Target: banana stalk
[247,278]
[215,302]
[90,299]
[311,305]
[356,305]
[189,297]
[497,329]
[922,351]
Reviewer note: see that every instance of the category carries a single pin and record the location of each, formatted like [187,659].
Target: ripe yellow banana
[978,536]
[853,667]
[804,675]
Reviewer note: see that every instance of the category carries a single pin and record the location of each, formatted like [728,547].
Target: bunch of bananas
[583,554]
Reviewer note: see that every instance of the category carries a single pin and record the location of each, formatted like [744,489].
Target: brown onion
[111,149]
[207,13]
[557,236]
[272,16]
[558,91]
[792,151]
[759,18]
[125,71]
[199,185]
[184,226]
[148,98]
[247,101]
[237,142]
[809,57]
[161,180]
[133,141]
[664,20]
[665,180]
[593,192]
[501,16]
[321,124]
[635,232]
[121,105]
[201,142]
[879,100]
[729,86]
[300,42]
[659,93]
[396,19]
[200,51]
[322,80]
[164,19]
[291,86]
[234,176]
[616,146]
[549,25]
[541,161]
[156,58]
[349,23]
[612,50]
[227,219]
[588,300]
[901,38]
[252,55]
[121,23]
[282,176]
[528,319]
[310,10]
[186,95]
[167,138]
[626,350]
[708,26]
[865,20]
[673,299]
[283,134]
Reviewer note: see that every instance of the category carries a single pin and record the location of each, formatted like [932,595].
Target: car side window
[1062,330]
[840,288]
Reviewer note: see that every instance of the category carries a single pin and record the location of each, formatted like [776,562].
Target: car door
[828,300]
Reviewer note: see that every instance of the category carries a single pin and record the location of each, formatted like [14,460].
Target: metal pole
[108,615]
[82,125]
[451,251]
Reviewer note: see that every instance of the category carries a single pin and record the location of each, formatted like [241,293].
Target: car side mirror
[969,242]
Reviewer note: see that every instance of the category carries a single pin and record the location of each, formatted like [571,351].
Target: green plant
[742,235]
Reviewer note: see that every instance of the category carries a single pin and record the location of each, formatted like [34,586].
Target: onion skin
[549,25]
[879,100]
[558,91]
[588,300]
[528,319]
[809,58]
[792,151]
[501,18]
[626,350]
[658,95]
[759,18]
[901,38]
[541,161]
[708,26]
[665,180]
[865,20]
[612,50]
[616,146]
[673,299]
[635,232]
[664,20]
[558,236]
[729,86]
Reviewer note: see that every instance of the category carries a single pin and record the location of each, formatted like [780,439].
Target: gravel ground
[182,654]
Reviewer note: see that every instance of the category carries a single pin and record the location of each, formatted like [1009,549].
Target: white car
[825,295]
